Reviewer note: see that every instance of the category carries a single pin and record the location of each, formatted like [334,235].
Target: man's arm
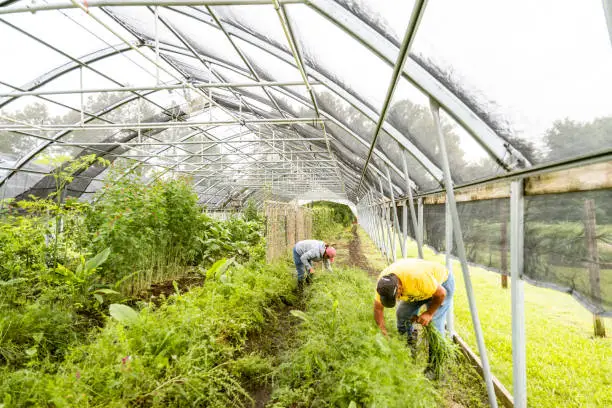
[306,257]
[436,300]
[379,316]
[327,264]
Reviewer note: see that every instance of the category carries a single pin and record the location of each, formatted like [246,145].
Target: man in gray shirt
[308,251]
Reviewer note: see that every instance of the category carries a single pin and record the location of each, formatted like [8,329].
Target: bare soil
[162,290]
[271,342]
[356,256]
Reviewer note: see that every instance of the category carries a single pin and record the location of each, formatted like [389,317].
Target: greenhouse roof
[290,99]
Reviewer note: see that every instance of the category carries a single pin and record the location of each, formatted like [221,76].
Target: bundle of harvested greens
[442,351]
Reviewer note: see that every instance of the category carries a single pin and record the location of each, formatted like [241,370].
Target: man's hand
[311,271]
[379,317]
[424,318]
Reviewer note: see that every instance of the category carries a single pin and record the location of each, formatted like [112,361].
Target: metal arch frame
[341,97]
[354,101]
[358,104]
[417,13]
[293,45]
[247,63]
[130,3]
[64,69]
[264,50]
[297,98]
[497,147]
[337,122]
[607,8]
[373,41]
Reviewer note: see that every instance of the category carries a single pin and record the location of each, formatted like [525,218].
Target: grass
[188,352]
[566,366]
[340,358]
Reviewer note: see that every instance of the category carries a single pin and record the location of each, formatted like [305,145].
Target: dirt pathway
[271,342]
[356,256]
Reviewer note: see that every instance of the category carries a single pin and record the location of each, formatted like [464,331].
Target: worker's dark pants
[299,267]
[407,310]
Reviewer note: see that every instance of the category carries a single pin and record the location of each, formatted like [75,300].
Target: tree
[568,138]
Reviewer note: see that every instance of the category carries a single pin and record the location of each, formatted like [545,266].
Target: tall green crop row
[57,280]
[330,219]
[341,359]
[188,352]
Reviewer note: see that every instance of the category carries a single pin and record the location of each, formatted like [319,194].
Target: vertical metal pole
[82,97]
[519,364]
[450,320]
[139,113]
[405,229]
[607,6]
[448,184]
[421,224]
[384,222]
[157,44]
[415,222]
[377,224]
[395,218]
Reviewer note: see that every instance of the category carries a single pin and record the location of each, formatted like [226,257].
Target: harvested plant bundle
[442,352]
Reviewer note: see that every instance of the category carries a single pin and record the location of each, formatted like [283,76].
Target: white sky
[537,60]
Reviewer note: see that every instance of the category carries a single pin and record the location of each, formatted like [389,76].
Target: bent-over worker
[414,282]
[308,251]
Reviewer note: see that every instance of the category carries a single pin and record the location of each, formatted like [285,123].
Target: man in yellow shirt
[414,282]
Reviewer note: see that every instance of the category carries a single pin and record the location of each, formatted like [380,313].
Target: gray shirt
[311,250]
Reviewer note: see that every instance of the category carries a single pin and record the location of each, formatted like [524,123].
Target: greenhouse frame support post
[415,222]
[421,226]
[519,366]
[405,230]
[380,228]
[390,246]
[607,6]
[448,184]
[450,321]
[395,218]
[377,225]
[373,223]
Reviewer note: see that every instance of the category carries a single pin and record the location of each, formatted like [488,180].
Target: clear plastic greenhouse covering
[286,99]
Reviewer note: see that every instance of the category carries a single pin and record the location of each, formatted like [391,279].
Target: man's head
[330,253]
[388,288]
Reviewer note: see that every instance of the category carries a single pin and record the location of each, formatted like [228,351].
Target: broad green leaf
[99,298]
[12,281]
[105,291]
[353,404]
[212,271]
[123,313]
[299,314]
[97,260]
[218,268]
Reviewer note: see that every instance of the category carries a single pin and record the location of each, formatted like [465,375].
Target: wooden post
[590,235]
[504,247]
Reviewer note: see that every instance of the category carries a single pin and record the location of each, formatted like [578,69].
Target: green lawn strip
[341,359]
[188,352]
[566,366]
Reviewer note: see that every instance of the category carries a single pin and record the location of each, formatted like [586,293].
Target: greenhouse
[160,159]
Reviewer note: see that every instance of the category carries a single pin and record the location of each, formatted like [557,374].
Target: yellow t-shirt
[420,278]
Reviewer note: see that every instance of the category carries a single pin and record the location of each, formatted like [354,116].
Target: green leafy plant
[442,352]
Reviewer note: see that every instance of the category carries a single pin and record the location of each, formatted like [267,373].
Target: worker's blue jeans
[407,310]
[299,266]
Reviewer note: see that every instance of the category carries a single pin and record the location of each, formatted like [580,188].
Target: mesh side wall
[486,231]
[568,245]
